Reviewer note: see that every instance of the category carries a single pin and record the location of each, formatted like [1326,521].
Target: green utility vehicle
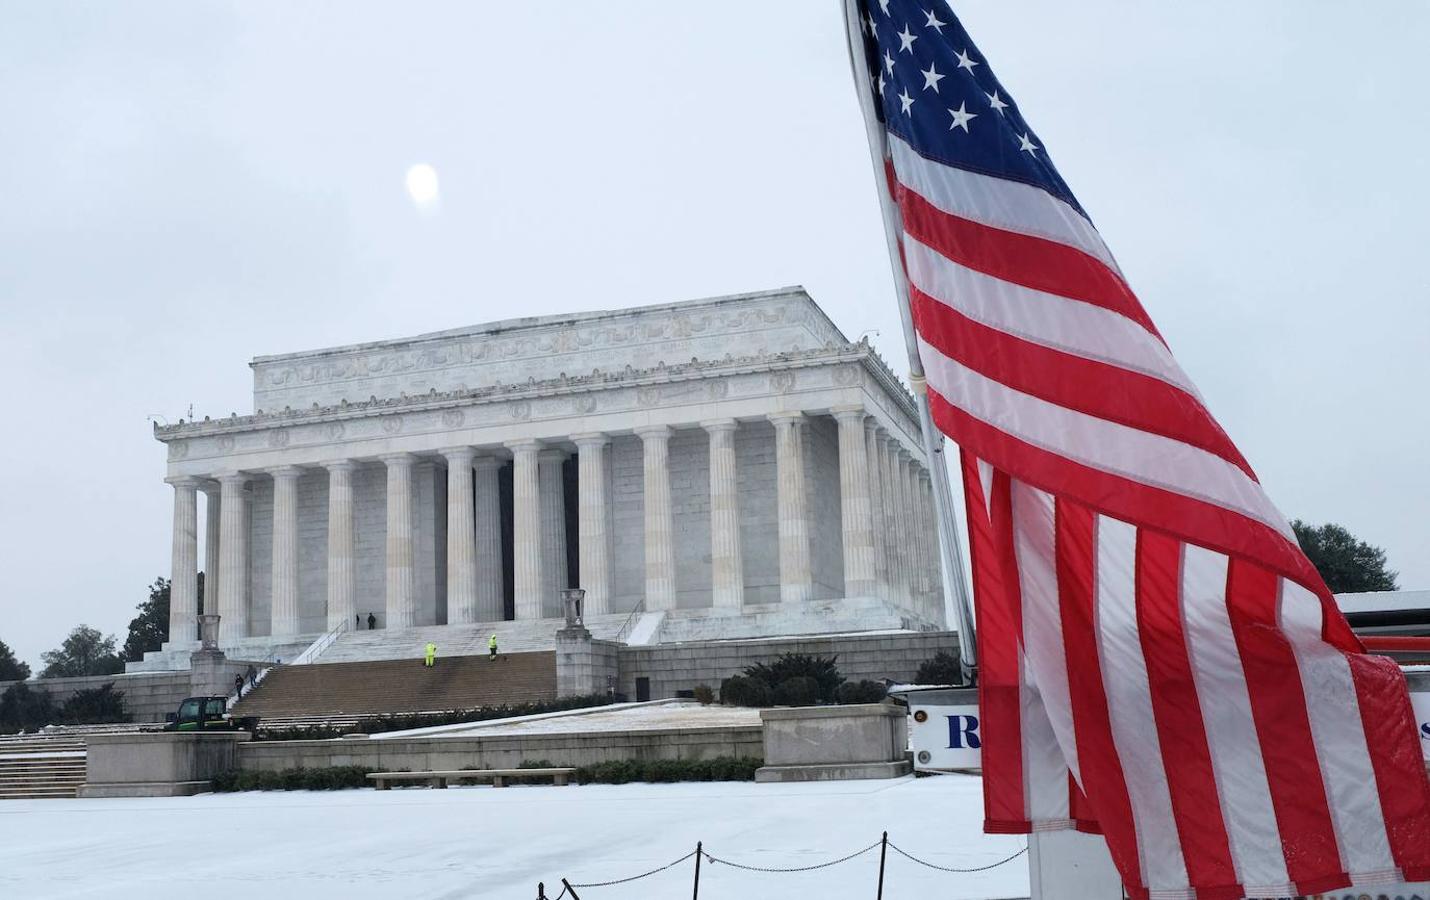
[207,714]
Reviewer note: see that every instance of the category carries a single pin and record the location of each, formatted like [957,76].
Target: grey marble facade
[623,384]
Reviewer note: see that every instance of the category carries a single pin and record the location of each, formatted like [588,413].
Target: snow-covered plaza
[487,842]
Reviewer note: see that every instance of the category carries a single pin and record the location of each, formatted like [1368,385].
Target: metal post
[950,548]
[541,890]
[570,890]
[883,852]
[698,853]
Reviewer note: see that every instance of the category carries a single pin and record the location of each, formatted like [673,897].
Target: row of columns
[886,524]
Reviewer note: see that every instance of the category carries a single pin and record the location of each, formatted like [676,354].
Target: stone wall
[494,752]
[681,667]
[148,696]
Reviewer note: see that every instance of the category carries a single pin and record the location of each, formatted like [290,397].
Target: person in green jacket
[431,657]
[492,647]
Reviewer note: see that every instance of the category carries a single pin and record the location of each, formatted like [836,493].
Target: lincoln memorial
[728,466]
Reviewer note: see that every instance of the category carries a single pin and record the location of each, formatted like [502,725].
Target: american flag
[1159,660]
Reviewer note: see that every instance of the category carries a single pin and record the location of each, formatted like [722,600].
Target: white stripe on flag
[1042,611]
[1231,733]
[997,202]
[1338,735]
[1072,326]
[1099,444]
[1129,706]
[1045,773]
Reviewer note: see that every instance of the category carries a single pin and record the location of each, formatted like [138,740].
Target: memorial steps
[459,640]
[402,685]
[37,767]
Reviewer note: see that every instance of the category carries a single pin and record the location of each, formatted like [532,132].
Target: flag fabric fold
[1159,660]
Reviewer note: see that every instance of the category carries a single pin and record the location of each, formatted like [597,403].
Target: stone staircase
[460,640]
[36,767]
[327,690]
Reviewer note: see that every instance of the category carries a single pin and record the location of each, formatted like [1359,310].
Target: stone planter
[164,764]
[832,743]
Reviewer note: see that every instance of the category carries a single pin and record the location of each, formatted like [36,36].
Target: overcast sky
[186,185]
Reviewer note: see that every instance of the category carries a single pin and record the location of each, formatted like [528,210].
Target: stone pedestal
[209,674]
[583,666]
[166,764]
[835,743]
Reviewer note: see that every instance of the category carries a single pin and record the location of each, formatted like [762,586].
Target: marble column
[490,605]
[659,519]
[284,612]
[796,572]
[461,537]
[876,506]
[593,541]
[342,601]
[888,459]
[934,555]
[233,560]
[213,516]
[855,512]
[551,484]
[526,529]
[184,571]
[727,566]
[401,570]
[908,561]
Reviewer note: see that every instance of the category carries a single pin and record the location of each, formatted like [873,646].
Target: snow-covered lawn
[487,842]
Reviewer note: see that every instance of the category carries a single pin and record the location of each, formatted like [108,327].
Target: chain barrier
[923,862]
[568,887]
[823,865]
[596,884]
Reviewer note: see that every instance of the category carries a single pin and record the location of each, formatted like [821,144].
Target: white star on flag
[996,102]
[932,78]
[906,40]
[905,101]
[961,117]
[965,61]
[933,22]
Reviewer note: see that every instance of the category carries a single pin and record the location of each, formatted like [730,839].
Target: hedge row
[333,778]
[405,721]
[722,768]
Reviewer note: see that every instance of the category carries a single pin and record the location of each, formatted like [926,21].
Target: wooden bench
[498,777]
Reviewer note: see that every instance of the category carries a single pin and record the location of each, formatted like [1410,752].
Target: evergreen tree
[1348,564]
[150,629]
[84,652]
[11,669]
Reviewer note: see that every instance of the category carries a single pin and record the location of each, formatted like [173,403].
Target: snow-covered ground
[498,843]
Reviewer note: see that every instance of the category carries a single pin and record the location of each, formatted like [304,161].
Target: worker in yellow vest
[431,658]
[492,647]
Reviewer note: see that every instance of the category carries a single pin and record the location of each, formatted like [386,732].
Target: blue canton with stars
[938,93]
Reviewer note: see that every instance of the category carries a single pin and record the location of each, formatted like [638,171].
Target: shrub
[327,779]
[24,709]
[823,669]
[943,668]
[95,706]
[801,690]
[862,692]
[404,721]
[623,771]
[705,694]
[741,690]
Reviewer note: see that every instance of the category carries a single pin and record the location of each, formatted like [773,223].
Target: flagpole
[956,595]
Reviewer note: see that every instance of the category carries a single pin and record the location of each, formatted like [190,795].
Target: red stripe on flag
[1181,729]
[1392,735]
[1195,521]
[1288,751]
[1005,804]
[1074,382]
[1098,764]
[1032,262]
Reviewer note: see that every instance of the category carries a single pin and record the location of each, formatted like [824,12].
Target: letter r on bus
[963,733]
